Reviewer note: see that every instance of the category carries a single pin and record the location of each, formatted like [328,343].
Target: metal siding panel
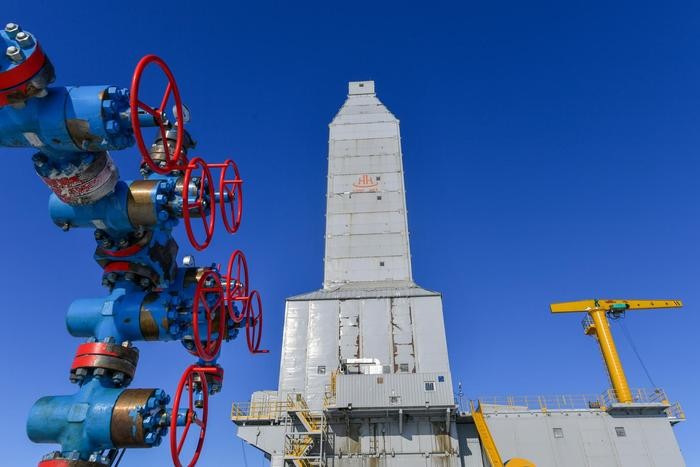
[402,335]
[364,223]
[349,344]
[322,349]
[368,245]
[371,391]
[374,326]
[350,269]
[354,164]
[293,361]
[356,131]
[429,330]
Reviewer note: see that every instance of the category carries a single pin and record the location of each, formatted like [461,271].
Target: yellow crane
[597,325]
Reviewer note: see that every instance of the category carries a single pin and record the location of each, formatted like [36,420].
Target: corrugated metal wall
[394,390]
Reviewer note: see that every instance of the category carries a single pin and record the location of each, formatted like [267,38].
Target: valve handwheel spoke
[231,192]
[205,194]
[189,383]
[209,297]
[254,322]
[236,281]
[172,158]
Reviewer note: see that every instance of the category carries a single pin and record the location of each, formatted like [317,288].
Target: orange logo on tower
[365,183]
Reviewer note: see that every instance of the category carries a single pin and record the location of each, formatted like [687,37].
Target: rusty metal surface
[147,323]
[140,202]
[127,423]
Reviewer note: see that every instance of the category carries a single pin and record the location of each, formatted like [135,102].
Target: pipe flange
[27,72]
[114,361]
[137,273]
[56,459]
[139,418]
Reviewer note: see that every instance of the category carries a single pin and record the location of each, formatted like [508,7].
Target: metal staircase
[306,436]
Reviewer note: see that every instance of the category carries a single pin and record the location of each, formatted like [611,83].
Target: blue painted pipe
[100,416]
[70,119]
[109,213]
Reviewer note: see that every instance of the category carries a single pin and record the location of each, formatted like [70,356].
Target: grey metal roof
[369,289]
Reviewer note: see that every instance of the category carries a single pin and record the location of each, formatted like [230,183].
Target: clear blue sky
[551,152]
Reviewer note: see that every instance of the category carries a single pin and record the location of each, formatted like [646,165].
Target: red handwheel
[231,192]
[203,203]
[236,281]
[208,299]
[193,380]
[172,159]
[254,322]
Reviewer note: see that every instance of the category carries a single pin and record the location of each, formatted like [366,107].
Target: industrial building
[364,373]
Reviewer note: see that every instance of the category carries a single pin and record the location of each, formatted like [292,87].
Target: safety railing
[587,323]
[579,402]
[675,413]
[641,395]
[266,410]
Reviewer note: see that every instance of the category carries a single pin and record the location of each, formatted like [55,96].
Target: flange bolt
[26,41]
[15,53]
[12,29]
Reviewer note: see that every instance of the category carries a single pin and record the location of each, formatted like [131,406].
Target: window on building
[620,431]
[403,367]
[430,385]
[321,369]
[381,263]
[379,177]
[558,432]
[379,198]
[386,369]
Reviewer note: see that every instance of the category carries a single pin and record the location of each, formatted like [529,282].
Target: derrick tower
[365,357]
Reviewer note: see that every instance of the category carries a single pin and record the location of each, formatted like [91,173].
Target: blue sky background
[551,154]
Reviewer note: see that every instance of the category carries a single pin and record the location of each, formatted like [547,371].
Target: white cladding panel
[365,223]
[374,328]
[365,147]
[431,352]
[293,361]
[322,349]
[352,203]
[364,164]
[367,268]
[367,245]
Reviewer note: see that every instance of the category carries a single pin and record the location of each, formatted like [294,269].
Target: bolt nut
[112,127]
[151,438]
[25,40]
[15,54]
[12,29]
